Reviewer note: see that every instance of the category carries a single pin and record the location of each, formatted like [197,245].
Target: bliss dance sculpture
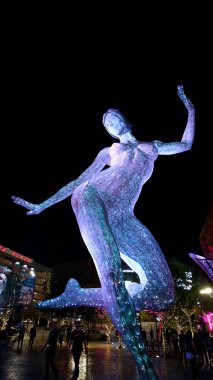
[103,199]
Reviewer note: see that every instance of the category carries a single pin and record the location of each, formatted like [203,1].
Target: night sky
[54,95]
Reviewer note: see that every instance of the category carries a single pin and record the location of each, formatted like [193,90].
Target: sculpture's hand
[187,103]
[34,209]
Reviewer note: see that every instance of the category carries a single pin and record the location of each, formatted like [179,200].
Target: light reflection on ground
[104,362]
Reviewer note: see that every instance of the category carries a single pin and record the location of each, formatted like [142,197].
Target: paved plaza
[104,362]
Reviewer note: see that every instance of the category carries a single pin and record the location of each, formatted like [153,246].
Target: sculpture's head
[115,123]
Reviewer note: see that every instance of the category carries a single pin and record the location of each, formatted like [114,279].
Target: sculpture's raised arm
[188,135]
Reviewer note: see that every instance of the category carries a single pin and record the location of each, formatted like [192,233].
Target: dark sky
[55,92]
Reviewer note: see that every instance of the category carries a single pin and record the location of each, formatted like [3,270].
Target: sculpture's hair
[116,112]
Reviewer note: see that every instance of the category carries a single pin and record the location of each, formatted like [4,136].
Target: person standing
[51,347]
[68,336]
[182,346]
[151,332]
[78,341]
[32,335]
[144,335]
[61,335]
[191,354]
[3,340]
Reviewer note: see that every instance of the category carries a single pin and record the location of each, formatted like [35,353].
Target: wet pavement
[104,362]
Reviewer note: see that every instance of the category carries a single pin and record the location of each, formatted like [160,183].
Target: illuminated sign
[17,255]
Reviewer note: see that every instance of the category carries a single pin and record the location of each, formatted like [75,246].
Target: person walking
[51,347]
[32,335]
[78,341]
[21,334]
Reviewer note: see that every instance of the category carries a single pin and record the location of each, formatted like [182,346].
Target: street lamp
[207,291]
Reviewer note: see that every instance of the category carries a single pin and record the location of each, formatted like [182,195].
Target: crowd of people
[195,349]
[73,337]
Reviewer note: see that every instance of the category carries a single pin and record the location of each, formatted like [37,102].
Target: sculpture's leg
[142,253]
[94,227]
[74,296]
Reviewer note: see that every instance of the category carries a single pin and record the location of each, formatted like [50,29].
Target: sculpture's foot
[74,296]
[72,287]
[66,299]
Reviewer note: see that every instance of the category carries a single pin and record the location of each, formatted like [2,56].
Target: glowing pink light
[208,319]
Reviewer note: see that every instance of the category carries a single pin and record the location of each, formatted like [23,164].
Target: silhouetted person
[32,335]
[200,347]
[61,333]
[151,332]
[3,339]
[182,346]
[208,341]
[191,354]
[68,335]
[174,339]
[21,334]
[78,340]
[144,334]
[51,347]
[168,339]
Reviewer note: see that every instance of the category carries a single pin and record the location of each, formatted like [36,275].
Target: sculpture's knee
[74,203]
[77,200]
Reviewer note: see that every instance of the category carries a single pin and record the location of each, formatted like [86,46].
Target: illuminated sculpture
[205,263]
[103,200]
[3,278]
[206,243]
[3,284]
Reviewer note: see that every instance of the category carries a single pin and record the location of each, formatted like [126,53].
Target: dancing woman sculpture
[103,200]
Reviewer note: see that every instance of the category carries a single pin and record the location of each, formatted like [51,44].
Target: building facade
[22,281]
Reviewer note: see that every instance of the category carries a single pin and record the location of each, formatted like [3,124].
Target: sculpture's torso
[131,166]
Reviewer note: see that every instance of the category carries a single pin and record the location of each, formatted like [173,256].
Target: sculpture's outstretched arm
[98,164]
[74,296]
[188,135]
